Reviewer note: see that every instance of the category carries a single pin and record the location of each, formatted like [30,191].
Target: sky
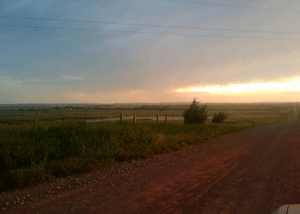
[123,51]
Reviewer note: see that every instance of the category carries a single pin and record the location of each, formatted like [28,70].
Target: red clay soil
[252,171]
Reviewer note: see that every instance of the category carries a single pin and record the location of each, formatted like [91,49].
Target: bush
[195,113]
[24,177]
[219,118]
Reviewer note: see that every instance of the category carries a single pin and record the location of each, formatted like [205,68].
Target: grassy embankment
[59,149]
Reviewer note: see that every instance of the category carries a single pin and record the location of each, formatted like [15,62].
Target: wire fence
[157,118]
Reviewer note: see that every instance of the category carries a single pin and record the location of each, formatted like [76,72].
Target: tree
[219,118]
[195,113]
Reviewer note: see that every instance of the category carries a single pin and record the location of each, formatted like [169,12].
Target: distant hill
[81,104]
[44,105]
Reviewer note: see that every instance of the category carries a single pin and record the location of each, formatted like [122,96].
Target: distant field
[60,147]
[235,111]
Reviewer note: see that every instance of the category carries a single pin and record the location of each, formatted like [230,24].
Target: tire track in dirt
[196,193]
[263,179]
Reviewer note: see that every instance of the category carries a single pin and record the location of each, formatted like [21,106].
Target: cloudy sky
[121,51]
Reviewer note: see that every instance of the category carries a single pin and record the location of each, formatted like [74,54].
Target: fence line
[157,117]
[122,117]
[134,117]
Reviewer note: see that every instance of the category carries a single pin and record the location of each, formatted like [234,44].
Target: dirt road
[252,171]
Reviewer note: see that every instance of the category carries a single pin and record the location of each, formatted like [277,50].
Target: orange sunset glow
[274,87]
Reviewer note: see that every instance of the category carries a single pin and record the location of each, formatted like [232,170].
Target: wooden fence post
[121,116]
[85,118]
[134,118]
[157,118]
[173,117]
[166,118]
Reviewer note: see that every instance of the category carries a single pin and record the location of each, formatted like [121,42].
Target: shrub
[219,118]
[195,113]
[24,177]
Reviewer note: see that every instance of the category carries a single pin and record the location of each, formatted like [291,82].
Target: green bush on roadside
[24,177]
[195,114]
[219,118]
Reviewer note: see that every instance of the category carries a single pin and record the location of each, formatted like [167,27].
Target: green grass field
[61,148]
